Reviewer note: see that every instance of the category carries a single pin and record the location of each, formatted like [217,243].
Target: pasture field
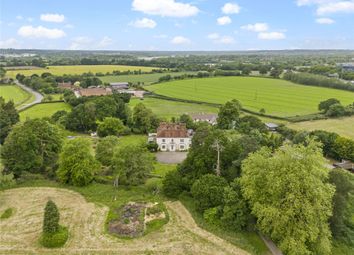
[278,97]
[43,110]
[15,93]
[342,126]
[135,78]
[168,109]
[78,69]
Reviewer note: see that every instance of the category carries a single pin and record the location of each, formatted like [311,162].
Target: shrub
[156,209]
[336,110]
[6,214]
[51,218]
[55,240]
[212,216]
[208,191]
[173,184]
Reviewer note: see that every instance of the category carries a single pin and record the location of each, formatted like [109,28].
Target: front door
[172,147]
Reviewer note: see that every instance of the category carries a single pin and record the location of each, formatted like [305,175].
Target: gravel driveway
[171,157]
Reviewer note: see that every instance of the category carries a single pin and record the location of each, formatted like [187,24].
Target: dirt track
[19,234]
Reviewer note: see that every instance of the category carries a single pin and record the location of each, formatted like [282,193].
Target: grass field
[146,78]
[343,126]
[79,69]
[167,109]
[15,93]
[277,97]
[43,110]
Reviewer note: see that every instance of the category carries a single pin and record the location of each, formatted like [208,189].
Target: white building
[172,137]
[202,117]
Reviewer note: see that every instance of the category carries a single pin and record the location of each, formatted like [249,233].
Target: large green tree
[110,126]
[8,117]
[144,120]
[105,149]
[229,115]
[132,164]
[289,193]
[82,118]
[32,146]
[77,166]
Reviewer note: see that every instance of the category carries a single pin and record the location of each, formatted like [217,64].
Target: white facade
[174,144]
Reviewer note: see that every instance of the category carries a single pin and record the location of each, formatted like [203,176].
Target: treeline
[317,80]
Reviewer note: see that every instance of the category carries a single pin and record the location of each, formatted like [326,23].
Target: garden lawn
[15,93]
[342,126]
[78,69]
[278,97]
[142,78]
[43,110]
[168,109]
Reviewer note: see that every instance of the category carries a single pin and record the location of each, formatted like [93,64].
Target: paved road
[37,95]
[171,157]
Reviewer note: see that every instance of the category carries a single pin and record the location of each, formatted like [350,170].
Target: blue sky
[177,24]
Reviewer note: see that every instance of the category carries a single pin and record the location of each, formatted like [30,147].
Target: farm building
[272,126]
[134,93]
[172,137]
[66,85]
[119,85]
[202,117]
[93,92]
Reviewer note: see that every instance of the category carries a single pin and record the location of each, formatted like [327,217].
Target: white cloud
[257,27]
[326,7]
[9,43]
[225,20]
[106,41]
[144,23]
[81,43]
[19,17]
[271,36]
[53,17]
[231,8]
[216,38]
[180,40]
[165,8]
[325,21]
[40,32]
[336,7]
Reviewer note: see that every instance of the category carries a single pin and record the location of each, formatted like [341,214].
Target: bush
[51,218]
[6,214]
[208,191]
[55,240]
[212,216]
[336,110]
[173,184]
[156,209]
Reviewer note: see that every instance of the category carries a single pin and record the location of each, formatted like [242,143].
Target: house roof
[95,92]
[202,116]
[172,130]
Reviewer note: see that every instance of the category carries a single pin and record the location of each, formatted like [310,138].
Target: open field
[277,97]
[43,110]
[15,93]
[167,109]
[145,78]
[342,126]
[79,69]
[85,221]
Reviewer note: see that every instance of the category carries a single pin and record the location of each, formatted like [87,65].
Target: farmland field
[43,110]
[146,78]
[167,109]
[15,93]
[277,97]
[78,69]
[343,126]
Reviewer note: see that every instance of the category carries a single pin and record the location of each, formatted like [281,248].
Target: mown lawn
[78,69]
[145,78]
[168,109]
[15,93]
[278,97]
[342,126]
[43,110]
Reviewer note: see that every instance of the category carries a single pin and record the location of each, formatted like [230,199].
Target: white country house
[172,137]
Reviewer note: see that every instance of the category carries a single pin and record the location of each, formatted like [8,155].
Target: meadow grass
[43,110]
[78,69]
[167,109]
[135,78]
[15,93]
[278,97]
[342,126]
